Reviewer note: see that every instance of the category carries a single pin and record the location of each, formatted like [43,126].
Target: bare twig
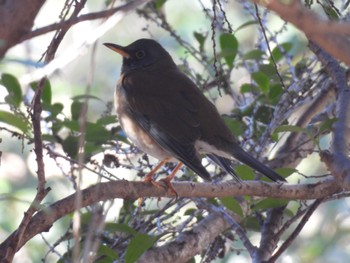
[86,17]
[296,231]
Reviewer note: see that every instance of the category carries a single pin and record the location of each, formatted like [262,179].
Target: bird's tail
[249,160]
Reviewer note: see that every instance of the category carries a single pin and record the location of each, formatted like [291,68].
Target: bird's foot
[170,187]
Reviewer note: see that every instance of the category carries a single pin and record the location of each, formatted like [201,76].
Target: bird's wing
[163,109]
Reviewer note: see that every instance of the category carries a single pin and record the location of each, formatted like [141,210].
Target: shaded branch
[269,237]
[338,162]
[44,219]
[333,37]
[296,231]
[188,243]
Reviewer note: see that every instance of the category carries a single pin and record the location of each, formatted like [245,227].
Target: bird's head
[141,54]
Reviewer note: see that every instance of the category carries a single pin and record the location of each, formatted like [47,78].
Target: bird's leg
[171,177]
[149,176]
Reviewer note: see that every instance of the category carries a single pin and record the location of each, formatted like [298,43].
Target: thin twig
[296,231]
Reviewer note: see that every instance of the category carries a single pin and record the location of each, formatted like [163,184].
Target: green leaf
[13,120]
[269,203]
[237,127]
[190,211]
[72,125]
[229,47]
[124,228]
[75,109]
[83,97]
[245,172]
[249,88]
[96,133]
[327,124]
[107,120]
[251,223]
[248,23]
[13,87]
[263,114]
[138,245]
[54,109]
[262,81]
[268,69]
[276,91]
[330,11]
[159,3]
[201,39]
[106,251]
[289,128]
[46,95]
[70,146]
[276,52]
[255,54]
[232,204]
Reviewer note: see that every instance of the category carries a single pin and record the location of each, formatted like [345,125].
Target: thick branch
[188,243]
[331,36]
[338,162]
[16,20]
[44,219]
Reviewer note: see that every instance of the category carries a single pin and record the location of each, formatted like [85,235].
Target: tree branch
[188,243]
[86,17]
[44,219]
[338,162]
[329,35]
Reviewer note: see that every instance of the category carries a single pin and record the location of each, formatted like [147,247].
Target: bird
[163,113]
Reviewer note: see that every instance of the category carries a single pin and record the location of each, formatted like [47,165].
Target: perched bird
[164,114]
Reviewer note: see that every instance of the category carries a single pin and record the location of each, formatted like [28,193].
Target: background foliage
[256,68]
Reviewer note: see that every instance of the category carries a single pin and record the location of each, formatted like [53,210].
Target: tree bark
[16,19]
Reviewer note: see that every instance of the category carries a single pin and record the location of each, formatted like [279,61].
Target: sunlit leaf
[13,87]
[13,120]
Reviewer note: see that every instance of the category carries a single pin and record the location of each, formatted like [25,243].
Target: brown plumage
[164,113]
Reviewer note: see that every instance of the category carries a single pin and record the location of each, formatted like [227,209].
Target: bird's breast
[138,136]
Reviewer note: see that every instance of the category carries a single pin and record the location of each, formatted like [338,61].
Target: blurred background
[83,62]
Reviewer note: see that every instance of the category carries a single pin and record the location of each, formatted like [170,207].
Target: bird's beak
[118,49]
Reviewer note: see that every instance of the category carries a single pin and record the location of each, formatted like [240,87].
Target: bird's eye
[140,54]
